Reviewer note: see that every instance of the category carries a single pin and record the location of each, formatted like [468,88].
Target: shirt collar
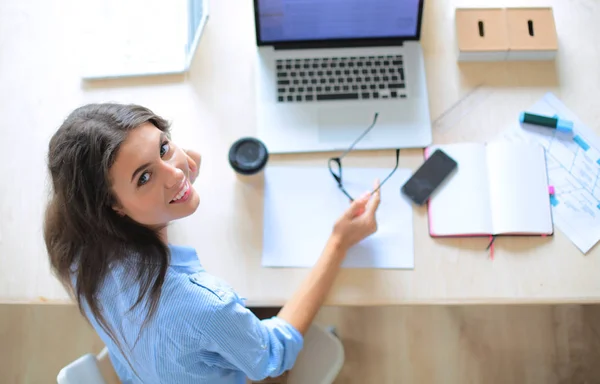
[183,256]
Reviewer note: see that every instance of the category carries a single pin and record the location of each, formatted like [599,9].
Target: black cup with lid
[248,156]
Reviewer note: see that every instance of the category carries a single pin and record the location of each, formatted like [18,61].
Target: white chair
[321,359]
[89,369]
[319,362]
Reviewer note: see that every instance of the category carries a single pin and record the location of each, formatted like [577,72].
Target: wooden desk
[214,105]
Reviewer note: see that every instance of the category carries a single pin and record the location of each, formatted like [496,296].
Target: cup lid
[248,155]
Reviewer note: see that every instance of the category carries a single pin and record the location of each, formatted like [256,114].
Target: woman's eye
[144,178]
[164,149]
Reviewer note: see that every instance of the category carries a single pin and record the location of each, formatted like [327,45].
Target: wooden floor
[474,344]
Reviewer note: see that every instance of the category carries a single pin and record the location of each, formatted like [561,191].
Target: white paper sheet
[303,203]
[573,163]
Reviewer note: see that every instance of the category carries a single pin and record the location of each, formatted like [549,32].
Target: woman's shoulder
[188,273]
[199,289]
[194,303]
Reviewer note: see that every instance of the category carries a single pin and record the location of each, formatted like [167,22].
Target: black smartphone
[429,176]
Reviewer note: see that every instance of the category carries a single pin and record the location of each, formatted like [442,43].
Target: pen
[549,122]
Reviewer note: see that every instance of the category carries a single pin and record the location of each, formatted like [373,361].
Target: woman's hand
[358,222]
[355,224]
[194,160]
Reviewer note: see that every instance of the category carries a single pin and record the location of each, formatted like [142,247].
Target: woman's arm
[301,309]
[357,223]
[270,347]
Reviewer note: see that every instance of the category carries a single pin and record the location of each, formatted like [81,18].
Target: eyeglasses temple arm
[361,136]
[391,173]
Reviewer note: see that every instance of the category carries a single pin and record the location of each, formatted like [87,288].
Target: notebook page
[519,188]
[461,206]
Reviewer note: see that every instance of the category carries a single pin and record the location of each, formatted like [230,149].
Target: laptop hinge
[339,44]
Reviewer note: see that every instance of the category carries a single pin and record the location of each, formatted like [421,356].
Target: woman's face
[151,178]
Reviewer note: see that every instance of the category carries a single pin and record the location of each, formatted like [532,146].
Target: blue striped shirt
[201,332]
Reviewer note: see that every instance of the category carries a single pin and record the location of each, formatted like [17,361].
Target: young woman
[117,182]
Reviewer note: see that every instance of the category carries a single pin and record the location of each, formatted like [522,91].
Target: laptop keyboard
[340,78]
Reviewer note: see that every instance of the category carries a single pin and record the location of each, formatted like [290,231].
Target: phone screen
[429,176]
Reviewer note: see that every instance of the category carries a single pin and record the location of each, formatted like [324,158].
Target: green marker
[545,121]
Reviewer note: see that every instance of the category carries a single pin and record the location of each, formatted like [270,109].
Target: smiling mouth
[183,194]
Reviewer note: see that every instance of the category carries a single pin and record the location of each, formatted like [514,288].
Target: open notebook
[499,188]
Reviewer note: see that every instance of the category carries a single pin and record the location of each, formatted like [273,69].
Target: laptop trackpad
[344,124]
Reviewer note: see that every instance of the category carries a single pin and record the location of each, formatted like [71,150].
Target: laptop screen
[281,21]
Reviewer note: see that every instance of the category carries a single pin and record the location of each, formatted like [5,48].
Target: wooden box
[481,34]
[494,34]
[531,34]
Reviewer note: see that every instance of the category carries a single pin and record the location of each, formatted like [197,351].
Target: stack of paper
[573,163]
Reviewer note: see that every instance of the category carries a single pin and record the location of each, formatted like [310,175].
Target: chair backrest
[89,369]
[319,362]
[321,359]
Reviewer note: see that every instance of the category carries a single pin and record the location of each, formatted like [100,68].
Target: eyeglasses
[335,163]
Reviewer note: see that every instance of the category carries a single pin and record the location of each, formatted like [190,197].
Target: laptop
[140,37]
[325,67]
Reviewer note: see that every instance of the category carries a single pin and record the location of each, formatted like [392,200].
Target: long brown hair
[84,236]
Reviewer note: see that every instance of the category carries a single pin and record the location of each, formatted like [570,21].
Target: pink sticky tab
[551,190]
